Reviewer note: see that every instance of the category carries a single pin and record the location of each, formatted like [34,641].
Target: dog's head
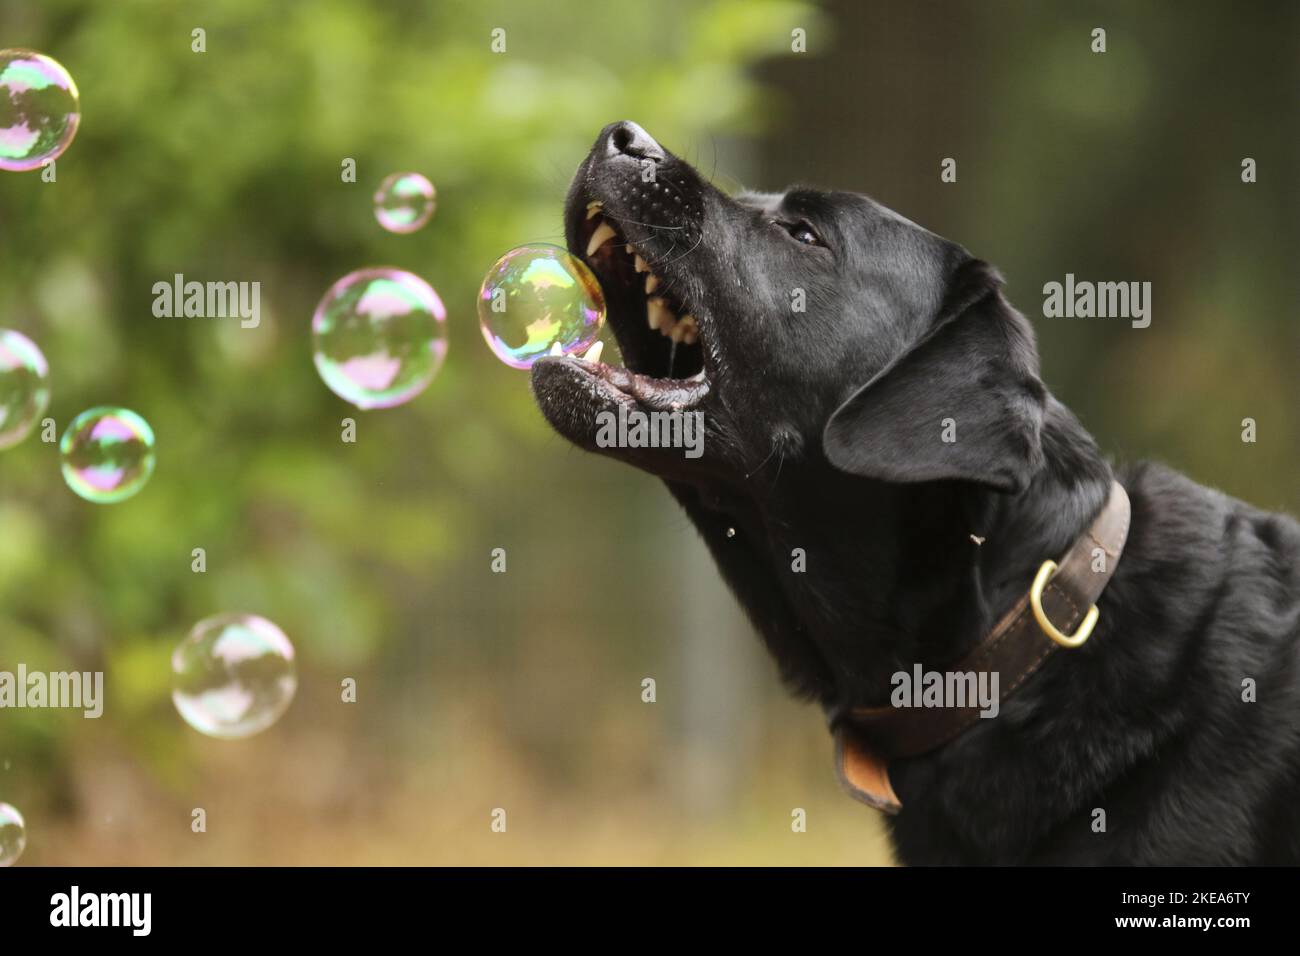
[829,344]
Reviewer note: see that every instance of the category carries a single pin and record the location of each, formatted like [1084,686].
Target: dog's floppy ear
[964,402]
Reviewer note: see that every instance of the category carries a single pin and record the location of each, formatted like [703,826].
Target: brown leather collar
[867,738]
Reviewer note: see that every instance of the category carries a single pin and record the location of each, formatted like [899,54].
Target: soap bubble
[107,454]
[24,386]
[379,337]
[536,297]
[404,202]
[13,835]
[233,676]
[39,109]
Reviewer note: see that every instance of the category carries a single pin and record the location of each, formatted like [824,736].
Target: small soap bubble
[107,453]
[233,676]
[538,297]
[404,202]
[379,337]
[13,835]
[39,110]
[24,387]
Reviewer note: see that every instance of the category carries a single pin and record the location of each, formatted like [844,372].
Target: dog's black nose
[628,139]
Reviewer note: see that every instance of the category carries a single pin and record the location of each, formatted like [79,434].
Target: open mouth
[655,326]
[609,253]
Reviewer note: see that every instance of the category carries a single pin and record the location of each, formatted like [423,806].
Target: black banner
[335,905]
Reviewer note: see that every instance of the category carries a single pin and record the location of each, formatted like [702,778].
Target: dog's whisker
[780,463]
[668,262]
[648,225]
[713,172]
[672,287]
[759,466]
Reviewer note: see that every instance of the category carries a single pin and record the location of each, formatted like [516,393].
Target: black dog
[825,339]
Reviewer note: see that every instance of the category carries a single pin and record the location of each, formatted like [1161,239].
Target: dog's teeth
[651,283]
[593,207]
[658,315]
[593,354]
[629,250]
[679,332]
[604,232]
[639,263]
[691,336]
[555,350]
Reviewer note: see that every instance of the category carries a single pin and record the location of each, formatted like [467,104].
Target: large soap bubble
[379,337]
[537,299]
[40,109]
[233,676]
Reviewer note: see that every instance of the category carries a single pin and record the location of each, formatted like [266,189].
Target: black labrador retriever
[883,476]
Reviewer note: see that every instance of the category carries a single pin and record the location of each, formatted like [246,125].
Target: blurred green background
[523,690]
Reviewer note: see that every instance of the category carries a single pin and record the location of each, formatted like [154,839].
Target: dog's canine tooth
[594,207]
[639,264]
[604,232]
[593,354]
[651,283]
[659,315]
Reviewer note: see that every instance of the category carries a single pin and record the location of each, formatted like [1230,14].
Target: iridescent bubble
[233,676]
[39,109]
[536,297]
[13,835]
[404,202]
[24,386]
[379,337]
[107,454]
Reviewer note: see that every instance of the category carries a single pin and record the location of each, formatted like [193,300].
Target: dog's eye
[800,232]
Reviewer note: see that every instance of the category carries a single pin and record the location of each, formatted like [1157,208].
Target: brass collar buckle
[1036,603]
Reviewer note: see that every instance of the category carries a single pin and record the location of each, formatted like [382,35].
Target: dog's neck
[910,584]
